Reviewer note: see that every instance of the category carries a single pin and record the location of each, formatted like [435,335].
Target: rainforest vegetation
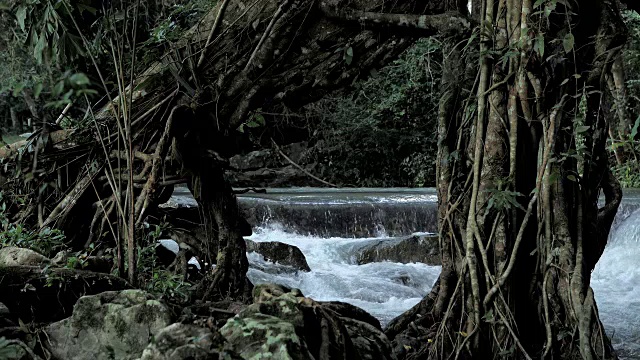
[523,114]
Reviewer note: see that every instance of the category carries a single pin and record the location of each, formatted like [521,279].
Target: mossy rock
[110,325]
[282,324]
[187,342]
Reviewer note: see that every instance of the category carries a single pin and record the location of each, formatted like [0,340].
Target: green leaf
[538,45]
[568,42]
[582,128]
[259,119]
[79,79]
[37,90]
[58,88]
[571,178]
[538,3]
[634,131]
[21,15]
[348,55]
[38,50]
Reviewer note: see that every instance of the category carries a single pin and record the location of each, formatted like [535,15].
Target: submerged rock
[110,325]
[280,253]
[286,325]
[15,256]
[416,248]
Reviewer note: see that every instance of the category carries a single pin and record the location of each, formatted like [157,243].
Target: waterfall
[616,285]
[330,225]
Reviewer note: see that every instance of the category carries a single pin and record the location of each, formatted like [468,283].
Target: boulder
[15,256]
[286,325]
[280,253]
[254,160]
[187,342]
[110,325]
[416,248]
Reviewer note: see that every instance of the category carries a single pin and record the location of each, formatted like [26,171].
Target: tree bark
[518,182]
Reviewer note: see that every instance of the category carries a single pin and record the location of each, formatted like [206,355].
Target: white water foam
[384,289]
[616,284]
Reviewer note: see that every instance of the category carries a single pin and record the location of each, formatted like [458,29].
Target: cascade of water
[385,290]
[616,284]
[335,222]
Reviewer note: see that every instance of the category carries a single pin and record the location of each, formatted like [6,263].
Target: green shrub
[45,241]
[383,133]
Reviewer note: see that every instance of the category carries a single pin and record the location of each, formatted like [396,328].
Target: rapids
[329,225]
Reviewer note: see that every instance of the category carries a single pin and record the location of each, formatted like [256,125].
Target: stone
[15,256]
[253,160]
[280,253]
[416,248]
[110,325]
[283,324]
[187,342]
[255,333]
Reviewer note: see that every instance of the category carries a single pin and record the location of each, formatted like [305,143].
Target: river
[329,225]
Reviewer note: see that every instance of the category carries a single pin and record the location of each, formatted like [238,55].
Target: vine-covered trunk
[522,161]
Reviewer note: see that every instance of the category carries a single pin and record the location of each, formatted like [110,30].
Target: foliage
[631,58]
[383,132]
[628,173]
[46,241]
[49,45]
[154,278]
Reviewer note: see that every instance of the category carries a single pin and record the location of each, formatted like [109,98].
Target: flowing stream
[330,225]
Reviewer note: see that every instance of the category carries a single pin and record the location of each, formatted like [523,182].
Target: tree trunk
[621,124]
[519,175]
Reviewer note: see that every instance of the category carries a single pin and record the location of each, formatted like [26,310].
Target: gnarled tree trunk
[520,170]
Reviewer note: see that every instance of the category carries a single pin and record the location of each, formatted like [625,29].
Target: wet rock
[370,342]
[110,325]
[15,256]
[416,248]
[289,326]
[187,342]
[346,310]
[280,253]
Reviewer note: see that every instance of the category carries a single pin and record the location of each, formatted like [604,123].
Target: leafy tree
[520,224]
[381,133]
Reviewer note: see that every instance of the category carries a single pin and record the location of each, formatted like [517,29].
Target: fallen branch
[447,23]
[64,206]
